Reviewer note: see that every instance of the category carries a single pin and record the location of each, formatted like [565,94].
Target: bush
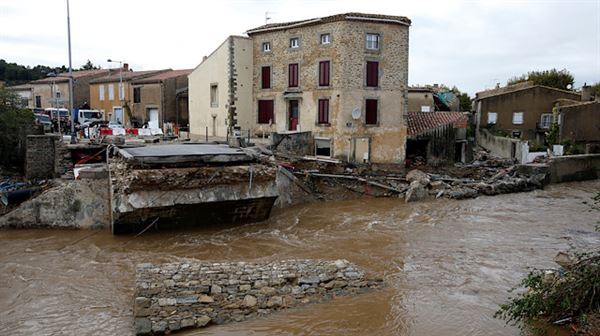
[15,124]
[537,146]
[570,294]
[571,148]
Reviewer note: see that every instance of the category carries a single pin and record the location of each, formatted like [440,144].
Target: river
[447,264]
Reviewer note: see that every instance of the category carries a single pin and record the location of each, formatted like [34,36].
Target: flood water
[447,264]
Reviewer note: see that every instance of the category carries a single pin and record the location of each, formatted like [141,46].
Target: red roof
[420,122]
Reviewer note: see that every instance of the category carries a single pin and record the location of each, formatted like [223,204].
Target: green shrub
[537,146]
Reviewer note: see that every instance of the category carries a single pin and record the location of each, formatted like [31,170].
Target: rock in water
[416,192]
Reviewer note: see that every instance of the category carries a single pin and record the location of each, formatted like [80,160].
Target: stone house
[220,89]
[54,91]
[342,77]
[115,101]
[522,110]
[420,99]
[155,99]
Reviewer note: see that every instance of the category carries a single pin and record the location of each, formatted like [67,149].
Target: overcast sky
[470,44]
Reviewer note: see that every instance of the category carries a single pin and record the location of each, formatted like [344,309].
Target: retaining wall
[575,168]
[502,146]
[175,296]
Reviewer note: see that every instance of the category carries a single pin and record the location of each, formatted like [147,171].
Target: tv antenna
[267,18]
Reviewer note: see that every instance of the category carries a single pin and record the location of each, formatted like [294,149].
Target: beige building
[420,99]
[155,99]
[220,89]
[54,91]
[25,92]
[343,77]
[114,100]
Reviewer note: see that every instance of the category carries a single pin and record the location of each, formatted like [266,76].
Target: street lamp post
[121,89]
[73,138]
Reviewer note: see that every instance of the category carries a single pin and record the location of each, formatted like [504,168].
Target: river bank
[446,264]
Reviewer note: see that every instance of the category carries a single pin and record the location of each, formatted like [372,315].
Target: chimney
[125,66]
[204,58]
[586,92]
[497,85]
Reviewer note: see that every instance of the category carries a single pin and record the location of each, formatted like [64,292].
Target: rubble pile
[175,296]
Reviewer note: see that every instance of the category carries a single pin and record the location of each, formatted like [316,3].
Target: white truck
[86,117]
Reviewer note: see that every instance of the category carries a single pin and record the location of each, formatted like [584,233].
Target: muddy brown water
[448,264]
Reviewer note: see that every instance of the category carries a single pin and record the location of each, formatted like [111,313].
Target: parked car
[44,120]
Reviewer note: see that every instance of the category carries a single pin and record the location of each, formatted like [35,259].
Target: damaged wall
[175,196]
[75,204]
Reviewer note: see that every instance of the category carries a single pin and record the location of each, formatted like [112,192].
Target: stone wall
[175,296]
[296,143]
[46,157]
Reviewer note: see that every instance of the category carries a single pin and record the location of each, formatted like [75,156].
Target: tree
[15,123]
[89,66]
[560,79]
[596,90]
[464,98]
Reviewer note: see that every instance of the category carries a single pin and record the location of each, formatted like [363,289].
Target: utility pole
[73,138]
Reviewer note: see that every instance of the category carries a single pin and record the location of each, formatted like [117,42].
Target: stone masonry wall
[175,296]
[46,157]
[348,57]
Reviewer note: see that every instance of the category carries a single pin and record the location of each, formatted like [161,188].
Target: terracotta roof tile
[338,17]
[420,122]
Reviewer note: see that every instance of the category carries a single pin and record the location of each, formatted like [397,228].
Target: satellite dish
[356,113]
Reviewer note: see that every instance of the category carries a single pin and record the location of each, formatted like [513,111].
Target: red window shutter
[372,74]
[265,111]
[266,77]
[324,73]
[323,111]
[371,112]
[293,75]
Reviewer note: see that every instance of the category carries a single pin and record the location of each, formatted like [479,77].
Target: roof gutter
[254,31]
[377,20]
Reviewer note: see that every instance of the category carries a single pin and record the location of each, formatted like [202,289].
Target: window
[323,117]
[121,91]
[372,74]
[324,73]
[492,117]
[111,92]
[38,101]
[517,118]
[266,46]
[265,112]
[101,92]
[373,41]
[293,75]
[546,120]
[294,42]
[371,112]
[214,95]
[325,38]
[137,95]
[323,147]
[266,77]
